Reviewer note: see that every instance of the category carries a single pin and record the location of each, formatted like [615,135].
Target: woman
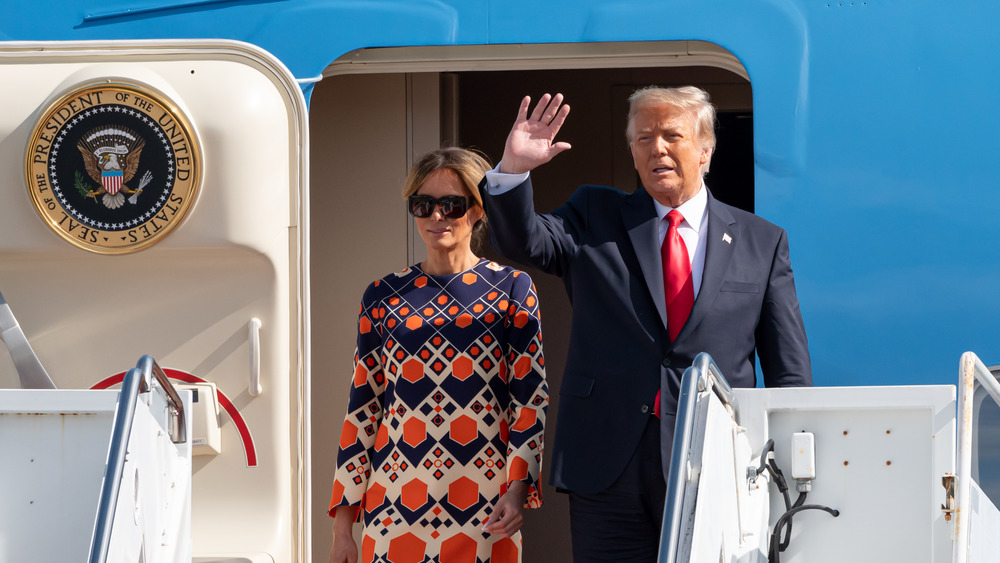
[442,443]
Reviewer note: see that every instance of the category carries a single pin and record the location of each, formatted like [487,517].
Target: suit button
[665,363]
[644,409]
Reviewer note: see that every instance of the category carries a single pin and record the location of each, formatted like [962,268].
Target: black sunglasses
[452,206]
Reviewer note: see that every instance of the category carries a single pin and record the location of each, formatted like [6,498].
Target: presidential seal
[113,167]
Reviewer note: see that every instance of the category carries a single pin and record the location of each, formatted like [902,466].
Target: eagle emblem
[111,158]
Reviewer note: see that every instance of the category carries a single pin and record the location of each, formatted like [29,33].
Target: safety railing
[152,371]
[702,374]
[972,373]
[29,368]
[138,380]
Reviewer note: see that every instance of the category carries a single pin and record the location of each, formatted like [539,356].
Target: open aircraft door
[152,201]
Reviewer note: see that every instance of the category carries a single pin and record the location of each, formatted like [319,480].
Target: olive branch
[82,186]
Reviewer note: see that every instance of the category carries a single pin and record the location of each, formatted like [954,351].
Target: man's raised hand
[530,142]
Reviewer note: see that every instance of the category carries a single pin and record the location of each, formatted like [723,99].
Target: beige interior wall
[365,132]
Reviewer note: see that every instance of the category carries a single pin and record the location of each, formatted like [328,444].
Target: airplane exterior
[871,134]
[862,128]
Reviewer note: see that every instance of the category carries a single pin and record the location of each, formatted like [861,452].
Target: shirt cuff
[498,183]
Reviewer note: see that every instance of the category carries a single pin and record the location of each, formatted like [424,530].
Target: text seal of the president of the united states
[113,167]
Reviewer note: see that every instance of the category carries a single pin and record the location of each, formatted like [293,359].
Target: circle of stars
[76,213]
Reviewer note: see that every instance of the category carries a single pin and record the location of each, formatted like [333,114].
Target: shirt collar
[693,209]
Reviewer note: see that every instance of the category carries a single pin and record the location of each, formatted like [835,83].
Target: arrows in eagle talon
[146,179]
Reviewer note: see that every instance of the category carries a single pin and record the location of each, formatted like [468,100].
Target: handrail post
[710,371]
[124,414]
[971,371]
[678,475]
[29,367]
[152,370]
[697,378]
[254,344]
[137,380]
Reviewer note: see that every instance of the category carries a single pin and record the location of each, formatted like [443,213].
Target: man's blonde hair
[687,98]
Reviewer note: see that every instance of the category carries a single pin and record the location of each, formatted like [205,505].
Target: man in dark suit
[650,290]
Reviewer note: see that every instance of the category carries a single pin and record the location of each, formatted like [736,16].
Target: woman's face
[440,233]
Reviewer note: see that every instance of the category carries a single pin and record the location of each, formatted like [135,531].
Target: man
[650,290]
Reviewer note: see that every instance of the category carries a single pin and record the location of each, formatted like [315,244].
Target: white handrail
[702,374]
[29,368]
[137,381]
[254,340]
[108,501]
[971,371]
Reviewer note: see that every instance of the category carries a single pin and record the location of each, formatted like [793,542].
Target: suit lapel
[723,237]
[640,220]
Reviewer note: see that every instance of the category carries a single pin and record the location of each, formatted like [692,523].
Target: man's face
[667,154]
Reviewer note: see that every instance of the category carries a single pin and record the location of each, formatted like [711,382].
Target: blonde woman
[441,447]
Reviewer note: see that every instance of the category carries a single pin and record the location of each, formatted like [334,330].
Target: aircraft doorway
[365,130]
[487,101]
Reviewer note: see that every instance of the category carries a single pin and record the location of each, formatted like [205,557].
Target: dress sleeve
[529,393]
[364,410]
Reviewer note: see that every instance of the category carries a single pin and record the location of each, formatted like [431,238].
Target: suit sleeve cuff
[498,183]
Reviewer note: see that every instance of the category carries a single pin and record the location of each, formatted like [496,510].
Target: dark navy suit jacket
[604,244]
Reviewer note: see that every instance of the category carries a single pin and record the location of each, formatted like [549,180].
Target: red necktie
[678,285]
[677,281]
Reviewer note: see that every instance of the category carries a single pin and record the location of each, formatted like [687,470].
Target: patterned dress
[447,406]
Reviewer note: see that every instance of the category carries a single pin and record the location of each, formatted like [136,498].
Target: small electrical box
[206,435]
[803,455]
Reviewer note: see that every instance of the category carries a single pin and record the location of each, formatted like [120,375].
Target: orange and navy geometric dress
[447,406]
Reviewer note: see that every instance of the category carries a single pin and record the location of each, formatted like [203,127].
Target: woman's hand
[344,549]
[507,518]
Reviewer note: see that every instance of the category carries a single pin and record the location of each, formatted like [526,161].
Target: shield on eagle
[111,157]
[112,180]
